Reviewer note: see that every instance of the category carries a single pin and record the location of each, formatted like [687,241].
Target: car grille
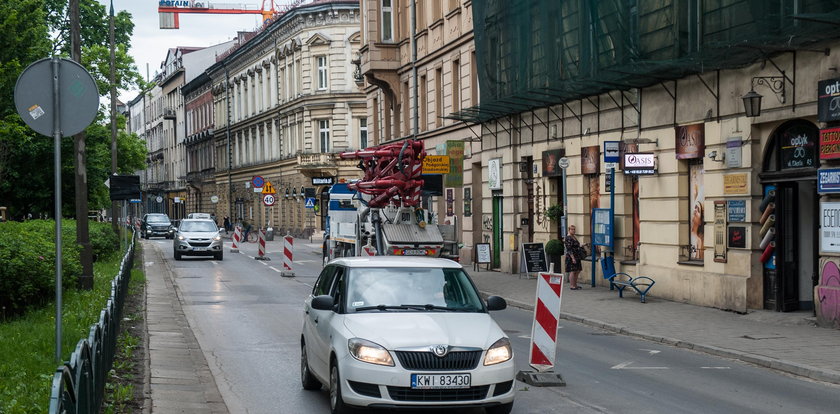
[453,361]
[441,395]
[160,228]
[196,243]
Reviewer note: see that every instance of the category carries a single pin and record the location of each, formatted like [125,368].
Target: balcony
[317,165]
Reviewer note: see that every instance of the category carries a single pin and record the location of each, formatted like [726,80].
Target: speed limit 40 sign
[268,199]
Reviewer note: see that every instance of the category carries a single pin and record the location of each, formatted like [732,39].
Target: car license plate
[199,249]
[414,252]
[428,381]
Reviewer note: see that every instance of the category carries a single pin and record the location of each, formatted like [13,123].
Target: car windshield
[157,219]
[198,226]
[411,289]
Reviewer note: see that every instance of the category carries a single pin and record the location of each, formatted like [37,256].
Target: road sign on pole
[268,199]
[310,202]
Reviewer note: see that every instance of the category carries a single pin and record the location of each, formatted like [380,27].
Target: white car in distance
[400,332]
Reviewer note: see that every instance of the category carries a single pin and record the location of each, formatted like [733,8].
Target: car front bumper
[150,232]
[189,247]
[376,386]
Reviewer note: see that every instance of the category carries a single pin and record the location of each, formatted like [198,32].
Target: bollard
[368,250]
[237,236]
[261,251]
[288,251]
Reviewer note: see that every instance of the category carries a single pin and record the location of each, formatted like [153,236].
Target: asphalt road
[247,319]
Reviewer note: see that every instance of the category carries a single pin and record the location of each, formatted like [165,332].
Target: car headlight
[217,238]
[499,352]
[180,237]
[367,351]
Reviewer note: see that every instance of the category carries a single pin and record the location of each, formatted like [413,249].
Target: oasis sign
[639,163]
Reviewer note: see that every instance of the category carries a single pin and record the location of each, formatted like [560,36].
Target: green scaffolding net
[535,53]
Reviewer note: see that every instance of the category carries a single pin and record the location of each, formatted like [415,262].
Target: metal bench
[641,284]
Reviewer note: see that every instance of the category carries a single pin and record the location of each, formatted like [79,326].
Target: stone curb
[762,361]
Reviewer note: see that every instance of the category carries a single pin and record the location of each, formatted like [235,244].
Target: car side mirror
[323,302]
[495,303]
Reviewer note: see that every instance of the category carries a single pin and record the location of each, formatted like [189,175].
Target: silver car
[198,237]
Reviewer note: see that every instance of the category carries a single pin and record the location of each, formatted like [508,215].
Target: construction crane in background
[168,10]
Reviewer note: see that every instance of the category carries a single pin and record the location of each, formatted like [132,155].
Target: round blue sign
[258,181]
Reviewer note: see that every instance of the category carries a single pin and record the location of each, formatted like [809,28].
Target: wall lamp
[752,100]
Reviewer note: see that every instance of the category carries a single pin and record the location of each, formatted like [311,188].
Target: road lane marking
[250,257]
[264,263]
[650,351]
[626,365]
[214,262]
[715,368]
[274,269]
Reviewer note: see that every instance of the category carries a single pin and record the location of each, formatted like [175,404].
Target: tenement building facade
[285,104]
[696,154]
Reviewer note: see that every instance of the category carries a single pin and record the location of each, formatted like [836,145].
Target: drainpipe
[414,100]
[229,153]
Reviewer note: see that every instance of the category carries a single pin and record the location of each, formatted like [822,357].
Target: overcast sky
[150,43]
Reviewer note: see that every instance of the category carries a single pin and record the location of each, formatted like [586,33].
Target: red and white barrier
[261,251]
[368,250]
[288,252]
[546,316]
[237,237]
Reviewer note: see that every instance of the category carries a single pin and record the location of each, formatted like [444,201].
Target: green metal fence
[79,385]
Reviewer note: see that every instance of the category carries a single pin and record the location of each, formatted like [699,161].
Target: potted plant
[555,212]
[554,249]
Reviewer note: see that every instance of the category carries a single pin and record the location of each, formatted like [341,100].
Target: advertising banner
[590,160]
[829,143]
[691,141]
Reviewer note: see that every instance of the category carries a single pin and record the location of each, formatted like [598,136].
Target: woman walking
[574,254]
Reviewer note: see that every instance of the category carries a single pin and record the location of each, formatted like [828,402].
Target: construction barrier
[368,250]
[288,252]
[261,251]
[237,237]
[546,317]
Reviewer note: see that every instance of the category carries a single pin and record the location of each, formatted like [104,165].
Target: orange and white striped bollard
[288,252]
[237,237]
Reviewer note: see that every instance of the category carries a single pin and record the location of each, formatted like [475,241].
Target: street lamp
[752,104]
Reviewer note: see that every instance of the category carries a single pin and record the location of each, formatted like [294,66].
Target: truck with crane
[380,214]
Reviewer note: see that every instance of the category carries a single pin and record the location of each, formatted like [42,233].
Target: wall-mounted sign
[735,183]
[551,162]
[467,201]
[640,163]
[720,231]
[737,211]
[455,176]
[828,100]
[798,147]
[612,151]
[602,227]
[590,160]
[733,152]
[436,164]
[450,202]
[494,177]
[829,143]
[626,148]
[323,180]
[737,238]
[828,180]
[830,227]
[691,141]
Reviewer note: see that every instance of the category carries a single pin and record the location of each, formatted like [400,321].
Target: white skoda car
[392,332]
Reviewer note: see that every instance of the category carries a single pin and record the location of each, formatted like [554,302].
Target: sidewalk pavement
[789,342]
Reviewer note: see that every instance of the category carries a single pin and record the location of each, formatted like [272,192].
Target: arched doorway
[788,178]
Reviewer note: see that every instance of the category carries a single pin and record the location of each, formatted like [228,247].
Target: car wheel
[308,380]
[177,256]
[499,409]
[219,256]
[337,405]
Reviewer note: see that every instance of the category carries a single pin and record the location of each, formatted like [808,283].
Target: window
[456,85]
[324,134]
[387,21]
[321,63]
[324,283]
[438,96]
[423,104]
[363,140]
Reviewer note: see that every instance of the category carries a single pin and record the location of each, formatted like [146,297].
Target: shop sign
[455,176]
[828,100]
[735,183]
[828,180]
[639,163]
[590,160]
[494,167]
[436,164]
[737,237]
[737,211]
[798,148]
[323,180]
[733,152]
[691,141]
[720,231]
[829,143]
[551,163]
[830,227]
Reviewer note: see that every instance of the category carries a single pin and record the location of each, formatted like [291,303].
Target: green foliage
[554,247]
[24,37]
[28,346]
[103,240]
[555,212]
